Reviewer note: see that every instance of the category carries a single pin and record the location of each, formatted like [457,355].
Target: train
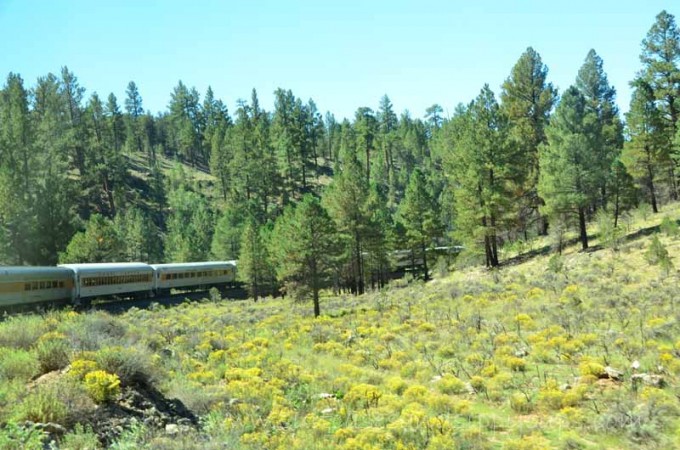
[79,284]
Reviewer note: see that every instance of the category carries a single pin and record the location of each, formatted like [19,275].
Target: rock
[648,379]
[565,387]
[49,428]
[184,422]
[327,411]
[435,378]
[613,374]
[522,352]
[470,389]
[171,429]
[635,365]
[326,395]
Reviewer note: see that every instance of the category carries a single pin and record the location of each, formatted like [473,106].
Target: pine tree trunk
[426,275]
[582,227]
[650,175]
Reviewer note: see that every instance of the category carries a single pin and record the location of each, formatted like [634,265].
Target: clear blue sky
[343,54]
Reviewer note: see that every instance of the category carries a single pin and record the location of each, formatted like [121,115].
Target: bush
[53,354]
[520,404]
[94,330]
[14,437]
[658,254]
[21,331]
[669,227]
[101,386]
[42,405]
[17,364]
[130,364]
[80,439]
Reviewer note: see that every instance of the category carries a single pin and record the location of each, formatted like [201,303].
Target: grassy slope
[508,359]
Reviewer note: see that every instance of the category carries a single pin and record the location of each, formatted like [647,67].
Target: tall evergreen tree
[345,201]
[607,130]
[660,58]
[643,154]
[420,215]
[527,99]
[254,265]
[304,248]
[568,178]
[482,167]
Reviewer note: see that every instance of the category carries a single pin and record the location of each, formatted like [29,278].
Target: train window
[27,287]
[61,285]
[43,285]
[55,284]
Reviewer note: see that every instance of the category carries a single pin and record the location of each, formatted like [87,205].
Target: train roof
[194,265]
[37,270]
[107,267]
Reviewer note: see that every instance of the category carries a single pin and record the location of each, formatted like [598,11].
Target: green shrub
[101,386]
[14,437]
[21,331]
[93,331]
[520,404]
[17,364]
[80,439]
[53,354]
[130,364]
[42,405]
[669,227]
[657,254]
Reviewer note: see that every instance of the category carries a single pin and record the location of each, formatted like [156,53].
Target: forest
[305,201]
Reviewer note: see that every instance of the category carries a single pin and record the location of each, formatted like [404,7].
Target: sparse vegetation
[577,350]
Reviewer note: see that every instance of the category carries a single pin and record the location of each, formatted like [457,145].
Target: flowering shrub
[102,386]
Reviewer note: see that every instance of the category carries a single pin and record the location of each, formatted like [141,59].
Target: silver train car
[111,279]
[35,285]
[82,283]
[193,275]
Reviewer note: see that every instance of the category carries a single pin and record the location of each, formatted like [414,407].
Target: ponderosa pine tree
[254,266]
[190,227]
[419,214]
[643,154]
[304,248]
[527,99]
[568,169]
[99,242]
[345,200]
[607,131]
[481,166]
[660,58]
[17,174]
[135,110]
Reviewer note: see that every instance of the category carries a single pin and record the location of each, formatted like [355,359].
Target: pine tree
[527,99]
[190,227]
[482,166]
[419,214]
[254,264]
[99,242]
[345,201]
[17,174]
[661,70]
[600,100]
[303,246]
[134,109]
[568,177]
[643,154]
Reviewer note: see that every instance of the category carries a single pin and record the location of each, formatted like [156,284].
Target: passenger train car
[81,283]
[193,275]
[111,279]
[32,285]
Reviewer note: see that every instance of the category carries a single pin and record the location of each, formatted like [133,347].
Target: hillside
[578,351]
